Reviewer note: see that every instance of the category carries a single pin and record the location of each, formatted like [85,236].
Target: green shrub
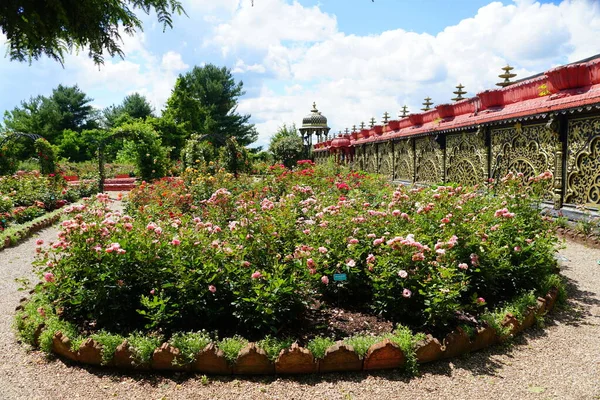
[319,345]
[231,347]
[190,344]
[143,346]
[109,342]
[273,346]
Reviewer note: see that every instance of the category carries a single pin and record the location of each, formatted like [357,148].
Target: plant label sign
[340,277]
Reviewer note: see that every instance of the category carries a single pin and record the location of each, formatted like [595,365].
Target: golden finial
[428,103]
[386,118]
[459,93]
[404,112]
[506,76]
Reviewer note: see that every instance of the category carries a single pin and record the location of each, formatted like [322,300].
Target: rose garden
[212,271]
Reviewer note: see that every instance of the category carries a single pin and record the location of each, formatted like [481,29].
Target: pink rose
[402,274]
[212,288]
[310,263]
[406,293]
[256,275]
[323,250]
[463,266]
[325,280]
[49,277]
[175,242]
[39,242]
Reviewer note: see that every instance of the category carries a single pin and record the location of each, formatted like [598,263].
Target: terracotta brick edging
[340,357]
[32,227]
[592,240]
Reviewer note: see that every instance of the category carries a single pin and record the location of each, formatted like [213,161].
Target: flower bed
[252,257]
[29,196]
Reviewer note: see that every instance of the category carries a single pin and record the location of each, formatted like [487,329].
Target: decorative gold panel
[371,157]
[359,158]
[529,150]
[583,161]
[386,159]
[466,158]
[404,160]
[429,161]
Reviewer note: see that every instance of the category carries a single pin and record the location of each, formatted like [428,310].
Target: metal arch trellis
[101,146]
[16,135]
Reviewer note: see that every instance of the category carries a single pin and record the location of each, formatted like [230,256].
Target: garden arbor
[150,156]
[42,148]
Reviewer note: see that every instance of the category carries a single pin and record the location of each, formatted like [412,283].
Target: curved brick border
[29,228]
[581,238]
[340,357]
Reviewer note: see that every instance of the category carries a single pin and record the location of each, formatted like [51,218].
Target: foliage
[205,100]
[47,155]
[286,146]
[319,345]
[68,108]
[149,155]
[215,252]
[134,106]
[407,341]
[190,344]
[234,157]
[109,342]
[52,28]
[273,346]
[143,346]
[361,343]
[198,152]
[231,347]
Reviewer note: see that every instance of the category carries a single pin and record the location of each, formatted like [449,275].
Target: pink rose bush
[214,252]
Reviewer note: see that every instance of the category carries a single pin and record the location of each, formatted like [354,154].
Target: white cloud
[241,67]
[271,22]
[172,61]
[354,78]
[294,55]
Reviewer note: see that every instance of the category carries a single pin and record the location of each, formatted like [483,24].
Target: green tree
[205,100]
[286,146]
[142,145]
[67,108]
[35,28]
[134,106]
[173,134]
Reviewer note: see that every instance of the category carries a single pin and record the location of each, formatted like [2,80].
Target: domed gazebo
[314,123]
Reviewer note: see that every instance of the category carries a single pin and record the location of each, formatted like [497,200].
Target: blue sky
[355,58]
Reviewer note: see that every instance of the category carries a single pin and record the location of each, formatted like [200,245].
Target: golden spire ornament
[404,112]
[386,118]
[459,92]
[428,103]
[506,76]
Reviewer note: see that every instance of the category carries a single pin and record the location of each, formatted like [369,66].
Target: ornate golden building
[549,122]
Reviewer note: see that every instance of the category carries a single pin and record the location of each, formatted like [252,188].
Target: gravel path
[559,362]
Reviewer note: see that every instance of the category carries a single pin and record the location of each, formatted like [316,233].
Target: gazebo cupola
[314,123]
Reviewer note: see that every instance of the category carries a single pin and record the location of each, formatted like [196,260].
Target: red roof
[566,87]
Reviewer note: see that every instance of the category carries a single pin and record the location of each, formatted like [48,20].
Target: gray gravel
[561,361]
